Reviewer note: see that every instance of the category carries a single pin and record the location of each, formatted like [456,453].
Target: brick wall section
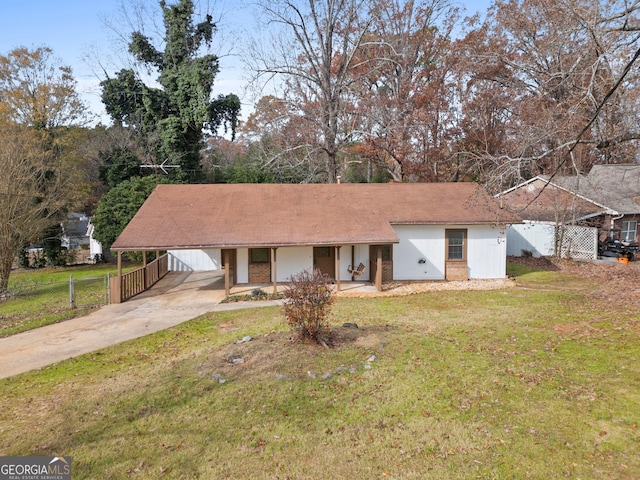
[259,273]
[387,272]
[456,271]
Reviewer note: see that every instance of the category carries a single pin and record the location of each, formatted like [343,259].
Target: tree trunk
[5,271]
[332,167]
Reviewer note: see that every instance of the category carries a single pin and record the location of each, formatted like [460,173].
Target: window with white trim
[629,230]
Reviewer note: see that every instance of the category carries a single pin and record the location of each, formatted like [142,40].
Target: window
[629,230]
[456,248]
[387,250]
[259,255]
[323,252]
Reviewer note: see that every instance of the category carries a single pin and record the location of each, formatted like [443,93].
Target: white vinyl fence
[539,240]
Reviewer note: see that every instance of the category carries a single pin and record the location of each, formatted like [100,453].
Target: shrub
[307,304]
[258,293]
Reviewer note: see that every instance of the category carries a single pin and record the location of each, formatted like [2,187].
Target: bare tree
[312,50]
[38,105]
[31,194]
[404,101]
[563,70]
[281,143]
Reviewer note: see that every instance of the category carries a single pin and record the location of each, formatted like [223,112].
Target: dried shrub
[307,304]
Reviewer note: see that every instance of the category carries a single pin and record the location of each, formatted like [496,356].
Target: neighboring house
[95,247]
[262,233]
[77,233]
[74,231]
[606,200]
[616,187]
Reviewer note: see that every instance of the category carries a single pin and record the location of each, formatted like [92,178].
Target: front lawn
[537,381]
[41,297]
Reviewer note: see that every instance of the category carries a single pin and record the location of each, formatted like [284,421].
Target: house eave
[462,222]
[329,243]
[549,182]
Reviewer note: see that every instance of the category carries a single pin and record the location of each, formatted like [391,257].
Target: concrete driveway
[176,298]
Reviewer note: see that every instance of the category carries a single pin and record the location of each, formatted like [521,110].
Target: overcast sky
[78,33]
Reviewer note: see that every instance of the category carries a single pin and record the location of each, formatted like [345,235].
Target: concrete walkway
[176,298]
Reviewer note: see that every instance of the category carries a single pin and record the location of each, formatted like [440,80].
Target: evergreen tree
[118,206]
[175,115]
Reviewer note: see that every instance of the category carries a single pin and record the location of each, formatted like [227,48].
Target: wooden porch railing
[137,281]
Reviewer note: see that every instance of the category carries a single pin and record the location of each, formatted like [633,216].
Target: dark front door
[324,259]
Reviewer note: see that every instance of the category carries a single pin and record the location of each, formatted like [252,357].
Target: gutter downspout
[613,222]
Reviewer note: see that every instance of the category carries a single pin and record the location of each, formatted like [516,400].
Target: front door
[324,259]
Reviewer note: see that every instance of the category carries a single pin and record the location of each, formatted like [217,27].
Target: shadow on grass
[517,266]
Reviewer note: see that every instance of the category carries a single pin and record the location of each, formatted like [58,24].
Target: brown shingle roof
[241,215]
[539,200]
[614,186]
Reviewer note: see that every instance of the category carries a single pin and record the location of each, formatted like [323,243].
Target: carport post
[115,283]
[144,269]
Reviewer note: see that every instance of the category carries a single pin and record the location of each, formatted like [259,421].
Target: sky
[84,34]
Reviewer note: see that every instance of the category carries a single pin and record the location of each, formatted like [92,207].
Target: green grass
[42,296]
[521,383]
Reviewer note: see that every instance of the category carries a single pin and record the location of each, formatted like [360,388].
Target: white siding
[420,253]
[95,247]
[486,252]
[361,256]
[242,265]
[194,260]
[293,260]
[534,237]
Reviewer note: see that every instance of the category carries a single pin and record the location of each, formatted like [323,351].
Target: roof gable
[246,215]
[539,199]
[615,186]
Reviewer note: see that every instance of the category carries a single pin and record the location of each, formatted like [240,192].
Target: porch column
[227,281]
[116,283]
[275,269]
[353,262]
[158,264]
[379,268]
[338,266]
[144,270]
